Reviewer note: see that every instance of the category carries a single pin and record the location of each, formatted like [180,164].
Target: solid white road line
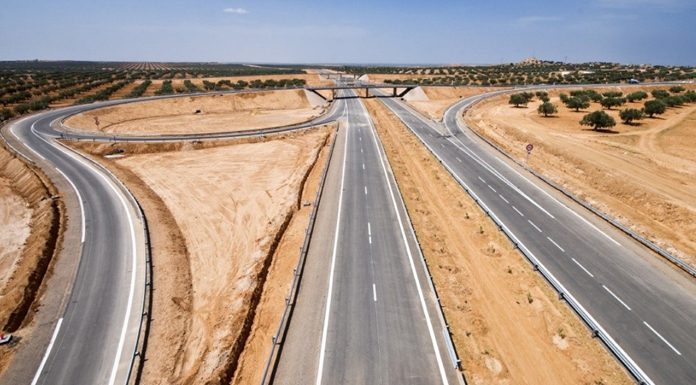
[27,146]
[500,160]
[616,297]
[131,293]
[583,267]
[518,211]
[374,292]
[424,306]
[503,198]
[515,238]
[47,353]
[535,226]
[662,338]
[555,244]
[79,199]
[325,327]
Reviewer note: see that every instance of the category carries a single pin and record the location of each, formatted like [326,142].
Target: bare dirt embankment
[31,221]
[226,225]
[508,325]
[644,175]
[433,101]
[201,114]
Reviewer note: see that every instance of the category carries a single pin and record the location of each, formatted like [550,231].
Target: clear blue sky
[351,31]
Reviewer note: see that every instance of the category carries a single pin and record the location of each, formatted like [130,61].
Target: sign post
[529,148]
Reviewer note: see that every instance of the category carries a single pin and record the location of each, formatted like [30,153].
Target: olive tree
[610,102]
[628,115]
[518,99]
[655,107]
[578,103]
[547,108]
[598,120]
[659,94]
[638,95]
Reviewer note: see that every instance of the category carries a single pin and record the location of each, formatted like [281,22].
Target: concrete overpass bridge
[396,89]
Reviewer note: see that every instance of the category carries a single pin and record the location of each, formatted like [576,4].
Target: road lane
[382,326]
[582,255]
[95,341]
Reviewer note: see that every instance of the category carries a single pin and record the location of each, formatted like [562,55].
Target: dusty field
[311,79]
[201,114]
[508,325]
[30,222]
[433,101]
[277,286]
[218,242]
[644,175]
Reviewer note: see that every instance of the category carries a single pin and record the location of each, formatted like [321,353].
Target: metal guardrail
[597,329]
[278,338]
[691,270]
[66,132]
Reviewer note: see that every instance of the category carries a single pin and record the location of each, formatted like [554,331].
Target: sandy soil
[15,215]
[215,113]
[280,277]
[125,90]
[433,101]
[30,222]
[644,175]
[508,325]
[226,212]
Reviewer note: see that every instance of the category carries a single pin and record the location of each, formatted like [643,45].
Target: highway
[95,317]
[94,340]
[645,304]
[365,313]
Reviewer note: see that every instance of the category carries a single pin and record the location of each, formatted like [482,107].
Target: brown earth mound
[226,208]
[200,114]
[31,223]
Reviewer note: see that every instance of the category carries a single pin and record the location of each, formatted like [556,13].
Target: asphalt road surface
[365,313]
[94,340]
[94,332]
[646,304]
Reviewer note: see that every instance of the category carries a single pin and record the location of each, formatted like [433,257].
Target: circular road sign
[530,147]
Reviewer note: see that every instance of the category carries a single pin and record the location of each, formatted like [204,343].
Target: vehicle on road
[5,338]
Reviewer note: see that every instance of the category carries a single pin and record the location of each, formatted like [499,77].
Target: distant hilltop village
[534,61]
